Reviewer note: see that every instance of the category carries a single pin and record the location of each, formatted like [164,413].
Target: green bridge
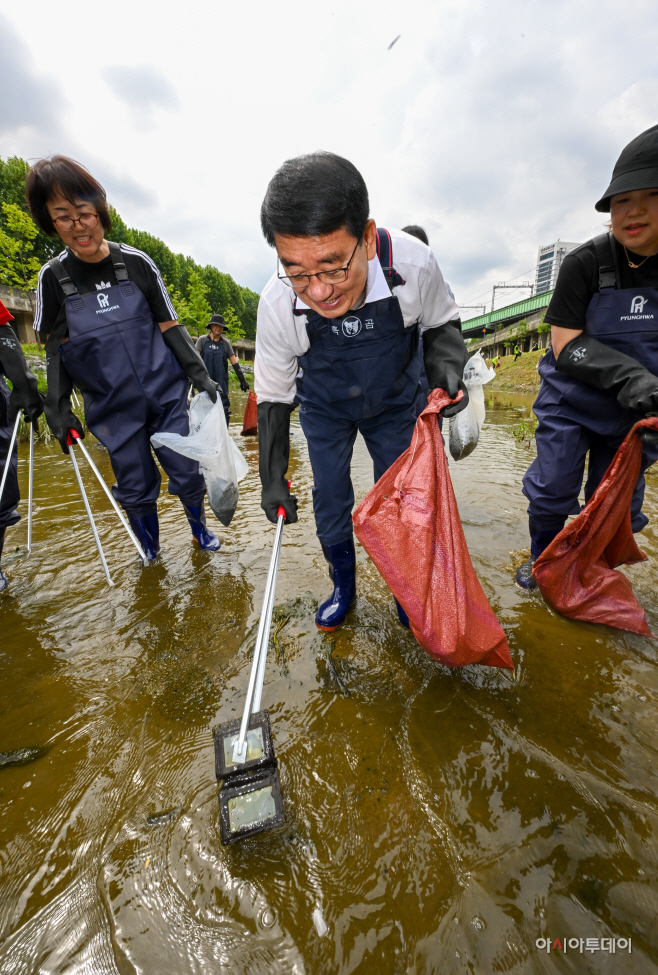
[476,327]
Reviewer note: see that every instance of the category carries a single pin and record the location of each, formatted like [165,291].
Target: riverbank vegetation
[521,375]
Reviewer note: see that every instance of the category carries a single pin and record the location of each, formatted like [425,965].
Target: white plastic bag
[465,426]
[209,442]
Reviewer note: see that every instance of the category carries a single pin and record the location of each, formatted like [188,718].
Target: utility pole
[501,286]
[482,307]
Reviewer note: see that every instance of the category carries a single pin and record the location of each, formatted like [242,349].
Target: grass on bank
[521,374]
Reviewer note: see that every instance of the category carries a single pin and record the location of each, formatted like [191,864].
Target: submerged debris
[22,756]
[162,818]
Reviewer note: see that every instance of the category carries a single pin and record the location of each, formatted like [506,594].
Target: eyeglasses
[300,282]
[86,220]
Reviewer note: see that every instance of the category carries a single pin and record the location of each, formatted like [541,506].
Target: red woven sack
[410,527]
[576,573]
[250,422]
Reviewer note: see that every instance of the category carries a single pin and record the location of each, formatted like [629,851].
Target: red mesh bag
[576,573]
[250,422]
[410,527]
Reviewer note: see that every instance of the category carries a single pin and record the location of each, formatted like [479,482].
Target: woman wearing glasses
[347,305]
[111,330]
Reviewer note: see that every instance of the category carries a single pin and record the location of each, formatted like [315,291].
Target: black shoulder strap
[64,280]
[605,255]
[385,255]
[117,261]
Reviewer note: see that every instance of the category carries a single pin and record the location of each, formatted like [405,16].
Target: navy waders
[133,386]
[574,417]
[360,374]
[215,360]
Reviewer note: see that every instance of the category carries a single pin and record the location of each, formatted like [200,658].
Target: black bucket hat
[216,320]
[636,168]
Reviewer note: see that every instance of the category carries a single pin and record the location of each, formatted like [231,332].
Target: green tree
[233,325]
[13,173]
[198,311]
[19,267]
[249,315]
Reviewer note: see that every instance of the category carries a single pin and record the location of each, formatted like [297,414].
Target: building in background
[549,260]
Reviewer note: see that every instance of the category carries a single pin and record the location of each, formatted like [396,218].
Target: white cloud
[494,125]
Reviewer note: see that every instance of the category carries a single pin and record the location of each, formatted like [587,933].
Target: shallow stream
[436,821]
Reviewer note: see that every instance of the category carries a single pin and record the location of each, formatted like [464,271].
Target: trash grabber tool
[11,447]
[30,494]
[250,797]
[70,441]
[133,538]
[257,675]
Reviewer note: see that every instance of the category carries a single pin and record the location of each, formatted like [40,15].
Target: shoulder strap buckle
[605,254]
[63,279]
[385,255]
[118,264]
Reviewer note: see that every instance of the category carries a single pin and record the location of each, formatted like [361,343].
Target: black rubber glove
[649,437]
[273,454]
[59,414]
[25,393]
[244,385]
[592,362]
[190,361]
[445,356]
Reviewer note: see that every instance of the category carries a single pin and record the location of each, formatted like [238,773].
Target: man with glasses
[339,325]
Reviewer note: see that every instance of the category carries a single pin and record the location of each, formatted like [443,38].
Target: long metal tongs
[133,538]
[257,675]
[30,491]
[73,435]
[11,447]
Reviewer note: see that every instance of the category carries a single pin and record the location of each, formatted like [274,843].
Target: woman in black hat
[601,375]
[216,351]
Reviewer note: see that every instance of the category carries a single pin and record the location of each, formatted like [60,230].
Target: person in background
[24,396]
[110,328]
[216,351]
[349,304]
[601,374]
[517,352]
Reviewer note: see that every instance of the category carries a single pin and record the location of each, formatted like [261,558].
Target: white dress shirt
[281,336]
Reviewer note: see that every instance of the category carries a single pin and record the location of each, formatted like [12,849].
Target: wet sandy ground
[439,821]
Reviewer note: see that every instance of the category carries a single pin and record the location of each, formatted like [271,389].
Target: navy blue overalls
[132,386]
[574,417]
[215,360]
[360,374]
[10,496]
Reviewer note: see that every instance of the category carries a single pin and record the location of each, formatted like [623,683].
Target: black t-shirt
[578,281]
[87,276]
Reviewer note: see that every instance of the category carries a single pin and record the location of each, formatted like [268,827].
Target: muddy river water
[436,821]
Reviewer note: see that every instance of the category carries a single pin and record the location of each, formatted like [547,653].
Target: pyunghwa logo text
[104,302]
[637,309]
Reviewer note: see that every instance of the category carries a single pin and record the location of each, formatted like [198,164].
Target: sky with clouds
[495,125]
